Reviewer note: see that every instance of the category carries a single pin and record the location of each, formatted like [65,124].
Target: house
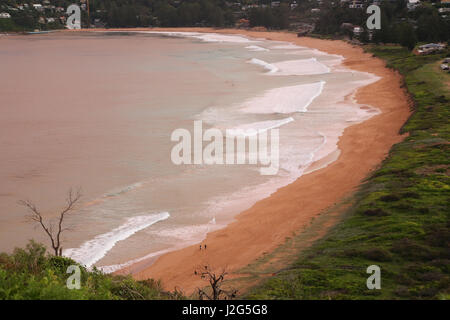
[412,4]
[5,15]
[250,6]
[294,5]
[242,23]
[356,5]
[357,31]
[38,6]
[302,28]
[430,48]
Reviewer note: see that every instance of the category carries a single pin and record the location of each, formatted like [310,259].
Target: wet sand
[265,226]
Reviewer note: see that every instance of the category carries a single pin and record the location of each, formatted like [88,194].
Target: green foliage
[400,220]
[31,274]
[271,18]
[406,35]
[125,13]
[398,24]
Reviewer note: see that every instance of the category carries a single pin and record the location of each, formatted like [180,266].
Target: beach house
[412,4]
[431,48]
[38,7]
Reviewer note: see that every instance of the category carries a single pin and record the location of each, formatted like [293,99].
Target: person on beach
[205,246]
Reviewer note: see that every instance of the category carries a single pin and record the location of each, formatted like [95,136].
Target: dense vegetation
[123,13]
[32,274]
[400,220]
[399,25]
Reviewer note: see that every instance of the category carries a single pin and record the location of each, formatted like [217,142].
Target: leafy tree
[407,37]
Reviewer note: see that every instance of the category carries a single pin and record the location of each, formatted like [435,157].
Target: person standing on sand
[205,246]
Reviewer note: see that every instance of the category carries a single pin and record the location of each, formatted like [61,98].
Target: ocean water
[96,111]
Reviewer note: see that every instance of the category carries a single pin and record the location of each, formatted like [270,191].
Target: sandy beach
[265,226]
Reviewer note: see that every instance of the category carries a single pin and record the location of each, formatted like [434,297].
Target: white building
[412,4]
[357,31]
[356,5]
[38,6]
[5,15]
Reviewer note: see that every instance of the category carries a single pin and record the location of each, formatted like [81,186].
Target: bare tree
[215,285]
[53,233]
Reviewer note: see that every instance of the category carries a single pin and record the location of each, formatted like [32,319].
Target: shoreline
[362,147]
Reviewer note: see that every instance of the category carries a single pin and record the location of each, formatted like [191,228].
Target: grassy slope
[400,220]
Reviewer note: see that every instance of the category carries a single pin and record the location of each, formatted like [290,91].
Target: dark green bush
[33,274]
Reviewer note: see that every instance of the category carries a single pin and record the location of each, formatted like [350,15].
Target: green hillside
[400,220]
[31,274]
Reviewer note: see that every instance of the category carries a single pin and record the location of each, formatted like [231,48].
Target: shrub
[375,212]
[389,198]
[377,254]
[30,273]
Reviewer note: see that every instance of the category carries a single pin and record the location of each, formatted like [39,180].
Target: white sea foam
[207,37]
[300,67]
[251,129]
[93,250]
[265,65]
[296,159]
[256,48]
[284,100]
[115,267]
[286,46]
[315,52]
[184,236]
[214,37]
[293,67]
